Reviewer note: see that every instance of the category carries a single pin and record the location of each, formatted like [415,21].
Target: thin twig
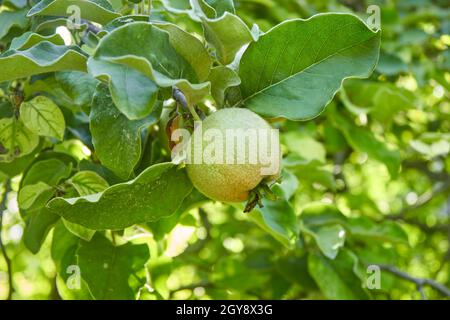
[419,282]
[2,247]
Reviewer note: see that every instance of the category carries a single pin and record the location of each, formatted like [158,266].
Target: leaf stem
[2,247]
[180,98]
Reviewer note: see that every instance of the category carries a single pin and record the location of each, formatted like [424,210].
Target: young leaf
[30,194]
[16,139]
[294,70]
[99,11]
[112,272]
[43,117]
[221,79]
[116,139]
[88,182]
[156,193]
[227,34]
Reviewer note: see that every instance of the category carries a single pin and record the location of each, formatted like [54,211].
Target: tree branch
[419,282]
[2,247]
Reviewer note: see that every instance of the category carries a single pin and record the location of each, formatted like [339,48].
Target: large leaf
[43,57]
[160,57]
[294,70]
[337,279]
[116,139]
[156,193]
[16,139]
[99,11]
[43,117]
[112,272]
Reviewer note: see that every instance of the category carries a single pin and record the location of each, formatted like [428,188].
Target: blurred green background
[342,173]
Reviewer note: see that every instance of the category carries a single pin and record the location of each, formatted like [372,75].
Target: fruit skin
[228,182]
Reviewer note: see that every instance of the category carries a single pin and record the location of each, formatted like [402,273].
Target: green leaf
[63,252]
[116,139]
[88,182]
[43,117]
[30,194]
[227,34]
[78,230]
[38,225]
[99,11]
[38,219]
[295,69]
[70,89]
[195,53]
[16,139]
[318,214]
[50,171]
[310,171]
[41,58]
[278,219]
[29,39]
[221,79]
[385,231]
[163,226]
[112,272]
[304,145]
[12,19]
[329,238]
[221,6]
[156,193]
[363,140]
[132,92]
[18,165]
[337,279]
[159,56]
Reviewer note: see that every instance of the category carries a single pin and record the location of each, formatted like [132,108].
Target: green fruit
[220,180]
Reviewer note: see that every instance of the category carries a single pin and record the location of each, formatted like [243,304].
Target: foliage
[85,169]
